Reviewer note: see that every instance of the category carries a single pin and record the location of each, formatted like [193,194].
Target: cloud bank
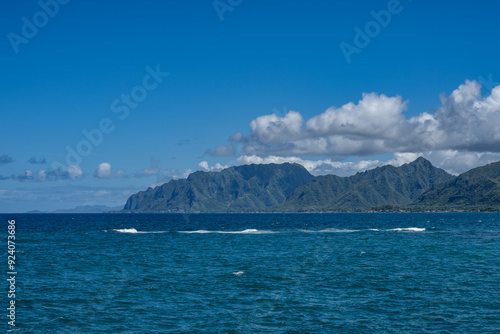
[73,172]
[463,132]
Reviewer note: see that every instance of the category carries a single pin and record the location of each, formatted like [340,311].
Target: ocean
[253,273]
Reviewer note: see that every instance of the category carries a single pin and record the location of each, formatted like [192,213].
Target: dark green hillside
[477,189]
[376,187]
[246,188]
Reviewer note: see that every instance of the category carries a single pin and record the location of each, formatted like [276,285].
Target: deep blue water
[274,273]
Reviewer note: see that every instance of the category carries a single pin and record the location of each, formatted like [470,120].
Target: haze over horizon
[101,101]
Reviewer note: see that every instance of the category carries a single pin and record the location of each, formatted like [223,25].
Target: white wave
[126,230]
[134,231]
[255,231]
[334,230]
[329,230]
[408,229]
[198,231]
[238,273]
[247,231]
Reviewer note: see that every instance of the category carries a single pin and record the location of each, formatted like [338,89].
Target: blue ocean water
[256,273]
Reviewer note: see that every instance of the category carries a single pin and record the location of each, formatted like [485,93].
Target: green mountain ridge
[475,190]
[247,188]
[386,185]
[416,186]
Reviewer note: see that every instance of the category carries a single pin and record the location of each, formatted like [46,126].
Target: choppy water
[256,273]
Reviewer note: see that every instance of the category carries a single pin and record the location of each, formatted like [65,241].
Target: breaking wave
[255,231]
[247,231]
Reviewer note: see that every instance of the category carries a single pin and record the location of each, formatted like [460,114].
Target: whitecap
[247,231]
[238,273]
[126,230]
[197,231]
[331,230]
[408,229]
[334,230]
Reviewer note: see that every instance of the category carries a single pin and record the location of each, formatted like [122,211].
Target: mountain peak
[477,189]
[421,161]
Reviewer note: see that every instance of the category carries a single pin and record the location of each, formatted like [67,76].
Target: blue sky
[427,71]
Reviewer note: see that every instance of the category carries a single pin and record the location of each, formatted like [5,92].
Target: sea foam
[247,231]
[408,229]
[126,230]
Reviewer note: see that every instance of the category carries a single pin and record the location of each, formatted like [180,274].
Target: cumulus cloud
[222,151]
[375,115]
[238,136]
[463,131]
[272,128]
[456,162]
[465,121]
[5,159]
[186,173]
[103,171]
[204,166]
[72,172]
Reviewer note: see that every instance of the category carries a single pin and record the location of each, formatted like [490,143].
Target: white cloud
[75,172]
[236,137]
[103,171]
[72,172]
[456,162]
[316,167]
[186,173]
[271,128]
[204,166]
[374,116]
[464,129]
[42,175]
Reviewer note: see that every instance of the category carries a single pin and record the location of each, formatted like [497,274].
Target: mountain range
[387,185]
[247,188]
[416,186]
